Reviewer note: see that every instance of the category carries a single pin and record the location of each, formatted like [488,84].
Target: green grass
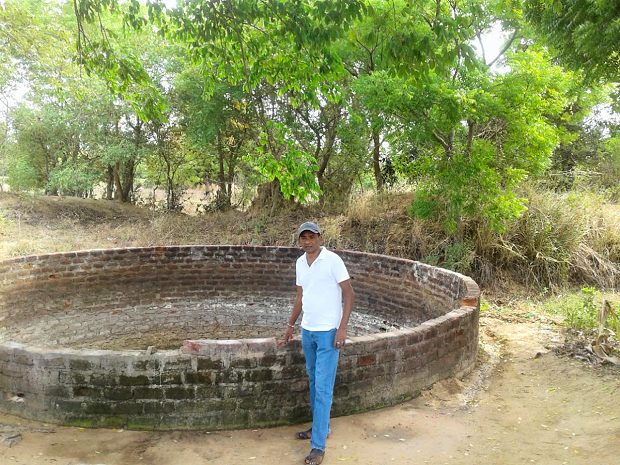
[579,310]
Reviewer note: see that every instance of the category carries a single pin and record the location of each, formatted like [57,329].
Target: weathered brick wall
[226,383]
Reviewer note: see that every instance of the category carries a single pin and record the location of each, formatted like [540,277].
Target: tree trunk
[269,197]
[109,190]
[128,181]
[326,151]
[376,153]
[123,181]
[171,201]
[118,186]
[222,199]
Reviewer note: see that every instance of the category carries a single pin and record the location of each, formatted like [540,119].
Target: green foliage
[122,69]
[313,95]
[581,310]
[457,256]
[294,169]
[606,168]
[585,34]
[242,41]
[583,315]
[21,174]
[219,125]
[485,306]
[173,166]
[483,137]
[612,158]
[466,187]
[75,179]
[121,150]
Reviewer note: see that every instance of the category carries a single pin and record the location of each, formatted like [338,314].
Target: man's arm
[348,297]
[290,327]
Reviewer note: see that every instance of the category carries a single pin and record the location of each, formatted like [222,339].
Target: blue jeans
[321,364]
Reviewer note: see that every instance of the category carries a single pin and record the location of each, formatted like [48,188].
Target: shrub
[580,311]
[561,238]
[21,175]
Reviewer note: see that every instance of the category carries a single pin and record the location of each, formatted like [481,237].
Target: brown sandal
[304,434]
[315,457]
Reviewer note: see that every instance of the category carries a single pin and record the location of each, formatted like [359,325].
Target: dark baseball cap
[308,226]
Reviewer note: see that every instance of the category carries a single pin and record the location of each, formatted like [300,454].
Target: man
[325,295]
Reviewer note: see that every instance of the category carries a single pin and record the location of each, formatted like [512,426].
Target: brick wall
[215,383]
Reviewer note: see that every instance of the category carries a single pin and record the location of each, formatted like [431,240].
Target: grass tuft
[580,310]
[561,239]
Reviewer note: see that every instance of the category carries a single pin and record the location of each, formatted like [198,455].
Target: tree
[244,42]
[220,126]
[465,136]
[72,132]
[395,39]
[583,34]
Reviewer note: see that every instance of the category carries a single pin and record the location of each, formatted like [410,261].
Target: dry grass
[562,239]
[380,223]
[32,225]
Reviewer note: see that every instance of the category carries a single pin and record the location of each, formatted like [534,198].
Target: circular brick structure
[185,337]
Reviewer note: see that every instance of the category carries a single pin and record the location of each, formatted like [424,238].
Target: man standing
[325,295]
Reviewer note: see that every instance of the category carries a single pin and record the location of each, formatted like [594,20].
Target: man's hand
[288,334]
[341,338]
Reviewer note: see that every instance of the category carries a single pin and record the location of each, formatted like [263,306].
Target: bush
[581,311]
[561,238]
[21,175]
[75,179]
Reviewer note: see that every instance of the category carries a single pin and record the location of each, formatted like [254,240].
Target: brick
[120,393]
[128,408]
[146,365]
[366,360]
[160,407]
[179,392]
[291,372]
[208,391]
[23,359]
[57,391]
[78,378]
[98,408]
[140,392]
[201,377]
[258,375]
[244,363]
[386,357]
[70,406]
[139,380]
[228,376]
[374,370]
[209,364]
[86,391]
[169,378]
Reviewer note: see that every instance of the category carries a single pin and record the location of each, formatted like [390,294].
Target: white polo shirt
[322,295]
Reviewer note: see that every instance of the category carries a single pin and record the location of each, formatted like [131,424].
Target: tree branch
[505,47]
[471,126]
[439,138]
[479,36]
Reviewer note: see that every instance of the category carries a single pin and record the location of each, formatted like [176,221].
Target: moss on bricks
[140,380]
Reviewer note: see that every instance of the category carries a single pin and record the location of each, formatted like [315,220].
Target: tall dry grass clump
[380,223]
[562,238]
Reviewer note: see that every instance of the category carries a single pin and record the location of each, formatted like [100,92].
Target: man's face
[310,242]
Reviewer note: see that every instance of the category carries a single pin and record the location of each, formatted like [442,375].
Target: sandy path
[516,408]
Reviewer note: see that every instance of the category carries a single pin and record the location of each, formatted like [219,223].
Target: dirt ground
[522,405]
